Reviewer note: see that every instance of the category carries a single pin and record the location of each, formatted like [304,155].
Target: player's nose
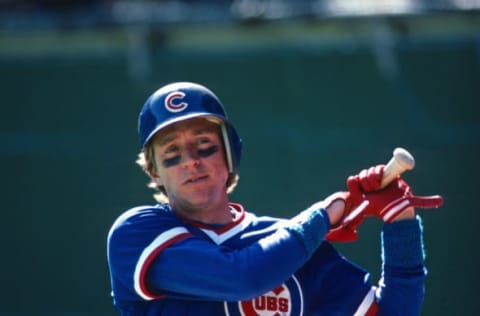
[191,158]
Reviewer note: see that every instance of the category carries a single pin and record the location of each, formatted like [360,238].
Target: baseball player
[197,253]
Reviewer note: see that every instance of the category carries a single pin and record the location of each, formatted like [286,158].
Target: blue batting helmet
[180,101]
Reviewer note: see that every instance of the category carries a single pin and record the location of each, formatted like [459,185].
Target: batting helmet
[181,101]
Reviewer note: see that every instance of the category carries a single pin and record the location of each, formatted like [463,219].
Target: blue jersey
[163,265]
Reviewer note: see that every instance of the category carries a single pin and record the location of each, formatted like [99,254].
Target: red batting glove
[369,179]
[386,204]
[366,181]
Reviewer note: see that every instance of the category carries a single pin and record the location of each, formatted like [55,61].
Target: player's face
[191,165]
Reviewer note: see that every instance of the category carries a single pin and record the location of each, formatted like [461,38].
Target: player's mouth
[195,180]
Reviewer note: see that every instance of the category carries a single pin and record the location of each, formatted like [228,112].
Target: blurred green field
[325,33]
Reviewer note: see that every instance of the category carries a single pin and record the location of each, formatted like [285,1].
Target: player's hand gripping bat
[385,199]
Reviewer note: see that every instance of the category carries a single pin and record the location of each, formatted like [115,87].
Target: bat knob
[403,158]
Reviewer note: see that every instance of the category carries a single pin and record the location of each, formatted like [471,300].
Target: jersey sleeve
[401,288]
[154,256]
[198,269]
[134,240]
[342,287]
[335,285]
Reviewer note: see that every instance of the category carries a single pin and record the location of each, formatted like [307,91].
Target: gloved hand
[386,204]
[367,180]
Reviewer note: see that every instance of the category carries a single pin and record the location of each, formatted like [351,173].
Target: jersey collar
[222,233]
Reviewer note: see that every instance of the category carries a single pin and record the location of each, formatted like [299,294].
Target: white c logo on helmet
[173,102]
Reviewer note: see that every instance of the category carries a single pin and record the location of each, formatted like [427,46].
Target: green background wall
[311,111]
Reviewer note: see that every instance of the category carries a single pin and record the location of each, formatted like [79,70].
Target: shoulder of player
[263,220]
[263,224]
[251,218]
[159,214]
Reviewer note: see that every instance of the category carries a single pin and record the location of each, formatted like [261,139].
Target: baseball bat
[400,162]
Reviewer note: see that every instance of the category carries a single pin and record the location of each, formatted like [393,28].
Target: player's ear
[158,181]
[152,172]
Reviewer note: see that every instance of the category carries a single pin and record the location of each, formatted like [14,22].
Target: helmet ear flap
[228,149]
[233,146]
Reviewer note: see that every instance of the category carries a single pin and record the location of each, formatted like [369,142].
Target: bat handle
[401,161]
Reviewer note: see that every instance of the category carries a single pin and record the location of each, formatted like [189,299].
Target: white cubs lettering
[284,300]
[174,103]
[274,303]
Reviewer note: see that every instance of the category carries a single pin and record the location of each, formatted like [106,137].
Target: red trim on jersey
[148,261]
[369,305]
[373,309]
[241,215]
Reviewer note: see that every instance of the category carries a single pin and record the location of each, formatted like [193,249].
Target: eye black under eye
[207,151]
[170,162]
[202,153]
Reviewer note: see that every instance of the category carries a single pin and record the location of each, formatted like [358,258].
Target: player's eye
[171,149]
[206,152]
[172,157]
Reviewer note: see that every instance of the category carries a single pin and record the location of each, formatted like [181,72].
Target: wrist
[402,243]
[310,226]
[335,211]
[408,213]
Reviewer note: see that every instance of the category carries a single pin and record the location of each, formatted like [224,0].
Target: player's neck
[219,214]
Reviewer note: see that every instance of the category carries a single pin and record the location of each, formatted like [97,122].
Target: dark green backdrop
[310,114]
